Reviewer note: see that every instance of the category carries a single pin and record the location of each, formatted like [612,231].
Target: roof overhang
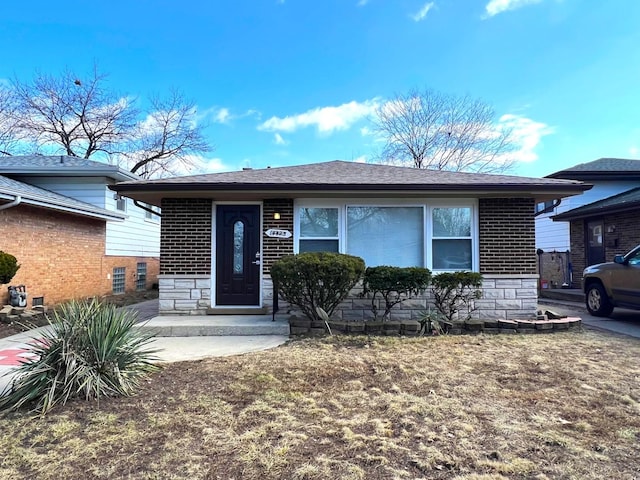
[41,202]
[153,193]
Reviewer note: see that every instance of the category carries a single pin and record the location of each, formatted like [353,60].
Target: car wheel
[598,302]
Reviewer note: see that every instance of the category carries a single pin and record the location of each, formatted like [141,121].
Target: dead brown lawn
[561,406]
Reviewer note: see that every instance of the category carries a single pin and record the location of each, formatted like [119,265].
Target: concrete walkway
[621,321]
[170,348]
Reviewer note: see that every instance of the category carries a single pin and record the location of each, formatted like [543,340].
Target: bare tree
[433,130]
[9,135]
[81,117]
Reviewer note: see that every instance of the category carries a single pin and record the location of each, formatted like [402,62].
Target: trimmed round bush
[8,267]
[315,280]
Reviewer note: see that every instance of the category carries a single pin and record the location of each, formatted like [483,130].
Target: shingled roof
[61,165]
[602,169]
[11,190]
[346,177]
[622,202]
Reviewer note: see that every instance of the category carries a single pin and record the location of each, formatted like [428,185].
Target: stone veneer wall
[184,294]
[505,297]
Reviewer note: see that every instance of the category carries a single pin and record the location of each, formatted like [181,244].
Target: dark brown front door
[238,255]
[595,242]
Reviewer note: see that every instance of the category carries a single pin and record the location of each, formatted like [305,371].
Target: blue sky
[284,82]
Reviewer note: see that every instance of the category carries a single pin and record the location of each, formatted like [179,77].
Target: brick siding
[62,257]
[624,237]
[274,248]
[507,236]
[185,236]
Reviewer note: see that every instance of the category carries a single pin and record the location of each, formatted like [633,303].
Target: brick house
[221,232]
[602,229]
[598,224]
[70,234]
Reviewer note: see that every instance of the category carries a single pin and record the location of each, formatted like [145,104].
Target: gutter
[145,208]
[14,203]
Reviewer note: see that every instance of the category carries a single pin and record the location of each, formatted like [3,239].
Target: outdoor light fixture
[276,216]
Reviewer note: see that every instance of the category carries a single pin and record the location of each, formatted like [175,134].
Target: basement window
[118,282]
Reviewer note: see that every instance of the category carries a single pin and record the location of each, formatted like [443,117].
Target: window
[238,248]
[386,235]
[438,234]
[141,276]
[118,281]
[149,215]
[451,239]
[318,230]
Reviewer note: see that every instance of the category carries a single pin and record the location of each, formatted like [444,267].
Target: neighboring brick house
[222,232]
[602,229]
[72,237]
[586,227]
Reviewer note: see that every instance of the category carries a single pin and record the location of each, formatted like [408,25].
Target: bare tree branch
[432,130]
[80,116]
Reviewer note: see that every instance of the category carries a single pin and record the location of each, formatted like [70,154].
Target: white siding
[554,236]
[86,189]
[135,236]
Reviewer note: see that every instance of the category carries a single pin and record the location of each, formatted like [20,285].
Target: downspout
[550,208]
[145,208]
[14,203]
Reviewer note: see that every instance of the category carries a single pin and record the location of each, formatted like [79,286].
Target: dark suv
[613,284]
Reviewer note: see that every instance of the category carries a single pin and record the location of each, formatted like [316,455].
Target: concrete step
[216,325]
[568,294]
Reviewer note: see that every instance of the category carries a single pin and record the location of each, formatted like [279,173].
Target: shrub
[394,284]
[455,291]
[315,280]
[8,267]
[91,350]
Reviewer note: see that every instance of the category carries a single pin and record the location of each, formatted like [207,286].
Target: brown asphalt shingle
[348,174]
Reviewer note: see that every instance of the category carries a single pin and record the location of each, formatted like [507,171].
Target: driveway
[623,321]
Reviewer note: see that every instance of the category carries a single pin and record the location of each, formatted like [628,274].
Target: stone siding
[184,294]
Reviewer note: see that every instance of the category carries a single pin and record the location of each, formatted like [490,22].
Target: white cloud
[278,140]
[362,3]
[325,119]
[494,7]
[633,151]
[213,165]
[422,13]
[526,135]
[222,116]
[360,159]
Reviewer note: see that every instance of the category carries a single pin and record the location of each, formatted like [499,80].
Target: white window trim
[475,230]
[427,204]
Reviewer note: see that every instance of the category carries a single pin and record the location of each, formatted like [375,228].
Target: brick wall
[274,248]
[185,236]
[623,237]
[61,256]
[507,236]
[578,253]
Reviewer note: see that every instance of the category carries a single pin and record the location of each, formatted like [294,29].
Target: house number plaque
[277,233]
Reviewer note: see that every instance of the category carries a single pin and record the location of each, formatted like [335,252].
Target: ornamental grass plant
[90,350]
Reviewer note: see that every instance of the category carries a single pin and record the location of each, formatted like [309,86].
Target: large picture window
[386,235]
[441,235]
